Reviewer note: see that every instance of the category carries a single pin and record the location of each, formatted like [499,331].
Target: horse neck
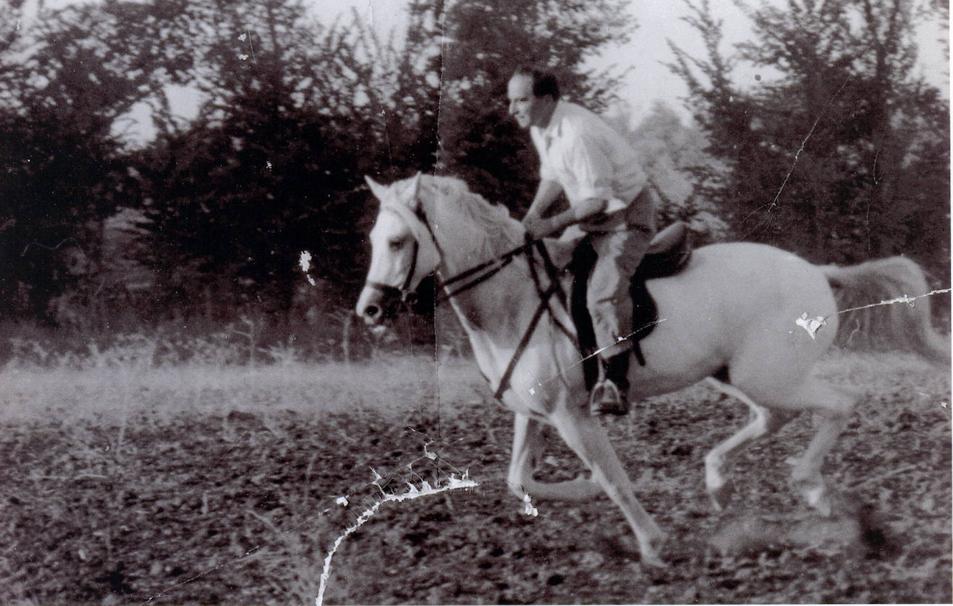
[497,305]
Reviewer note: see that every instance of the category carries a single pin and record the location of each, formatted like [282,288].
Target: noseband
[403,292]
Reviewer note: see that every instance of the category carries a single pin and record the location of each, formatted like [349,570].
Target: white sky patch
[413,492]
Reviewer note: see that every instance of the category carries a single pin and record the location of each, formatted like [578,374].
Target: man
[581,156]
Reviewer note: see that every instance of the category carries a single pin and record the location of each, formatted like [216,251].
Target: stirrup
[607,400]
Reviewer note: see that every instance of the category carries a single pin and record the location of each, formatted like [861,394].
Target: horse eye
[396,243]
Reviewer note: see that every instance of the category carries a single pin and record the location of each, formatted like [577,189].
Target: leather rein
[482,272]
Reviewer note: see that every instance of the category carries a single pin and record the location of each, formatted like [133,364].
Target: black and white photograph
[475,302]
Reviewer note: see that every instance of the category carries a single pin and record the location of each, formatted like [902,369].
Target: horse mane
[453,206]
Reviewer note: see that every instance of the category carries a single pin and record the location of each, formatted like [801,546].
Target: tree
[819,159]
[62,85]
[671,154]
[265,171]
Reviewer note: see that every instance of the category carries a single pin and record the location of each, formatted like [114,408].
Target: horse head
[403,250]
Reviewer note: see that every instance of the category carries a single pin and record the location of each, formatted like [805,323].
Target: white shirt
[588,159]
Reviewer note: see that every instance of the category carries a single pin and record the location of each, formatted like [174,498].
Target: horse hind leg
[832,407]
[761,422]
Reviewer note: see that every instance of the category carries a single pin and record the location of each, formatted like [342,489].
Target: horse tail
[883,307]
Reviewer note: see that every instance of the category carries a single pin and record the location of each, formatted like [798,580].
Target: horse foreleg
[527,449]
[761,422]
[589,440]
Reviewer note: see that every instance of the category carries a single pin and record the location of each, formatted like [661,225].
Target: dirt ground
[242,507]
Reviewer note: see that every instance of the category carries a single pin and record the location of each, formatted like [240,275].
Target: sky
[647,51]
[645,54]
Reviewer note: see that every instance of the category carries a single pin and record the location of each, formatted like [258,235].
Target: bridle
[474,276]
[480,273]
[404,292]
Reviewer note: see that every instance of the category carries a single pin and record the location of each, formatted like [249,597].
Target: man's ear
[379,191]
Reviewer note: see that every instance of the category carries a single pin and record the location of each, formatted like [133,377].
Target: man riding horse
[609,199]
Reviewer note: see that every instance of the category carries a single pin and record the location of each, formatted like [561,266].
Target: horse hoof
[649,554]
[721,496]
[652,560]
[818,498]
[823,506]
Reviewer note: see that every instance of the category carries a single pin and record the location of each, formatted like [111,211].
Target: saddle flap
[668,253]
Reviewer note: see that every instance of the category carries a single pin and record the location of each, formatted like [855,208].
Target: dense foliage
[292,113]
[840,152]
[841,155]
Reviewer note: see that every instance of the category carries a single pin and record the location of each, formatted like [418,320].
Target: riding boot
[611,396]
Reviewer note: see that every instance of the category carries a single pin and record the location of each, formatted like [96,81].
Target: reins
[493,265]
[482,272]
[545,294]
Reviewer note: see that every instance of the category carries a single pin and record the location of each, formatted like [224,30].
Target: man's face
[527,109]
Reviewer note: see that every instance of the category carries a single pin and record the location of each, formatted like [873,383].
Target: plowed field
[238,502]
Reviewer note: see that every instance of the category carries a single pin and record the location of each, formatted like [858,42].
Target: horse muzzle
[378,303]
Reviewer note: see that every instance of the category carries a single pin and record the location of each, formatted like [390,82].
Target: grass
[142,466]
[132,377]
[142,374]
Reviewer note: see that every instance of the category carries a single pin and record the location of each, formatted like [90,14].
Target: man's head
[532,95]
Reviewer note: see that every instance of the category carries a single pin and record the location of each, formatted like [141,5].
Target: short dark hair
[544,83]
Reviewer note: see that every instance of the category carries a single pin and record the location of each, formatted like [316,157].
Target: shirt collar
[552,129]
[555,121]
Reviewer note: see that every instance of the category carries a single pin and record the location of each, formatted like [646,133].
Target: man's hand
[537,227]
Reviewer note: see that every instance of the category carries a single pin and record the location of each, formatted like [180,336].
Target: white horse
[733,312]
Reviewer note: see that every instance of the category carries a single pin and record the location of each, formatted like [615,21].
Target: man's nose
[512,108]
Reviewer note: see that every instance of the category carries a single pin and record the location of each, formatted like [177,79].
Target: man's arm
[588,208]
[547,193]
[593,170]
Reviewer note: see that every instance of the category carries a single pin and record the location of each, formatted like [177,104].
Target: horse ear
[379,191]
[414,187]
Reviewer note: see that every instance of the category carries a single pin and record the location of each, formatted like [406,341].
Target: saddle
[668,254]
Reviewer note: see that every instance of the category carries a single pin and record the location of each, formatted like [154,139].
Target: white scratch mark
[621,339]
[425,490]
[797,155]
[911,301]
[251,48]
[811,325]
[342,501]
[304,262]
[528,508]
